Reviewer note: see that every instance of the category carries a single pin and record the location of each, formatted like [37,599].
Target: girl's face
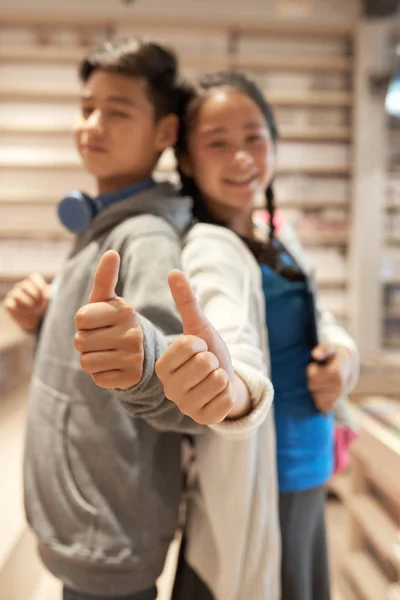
[230,153]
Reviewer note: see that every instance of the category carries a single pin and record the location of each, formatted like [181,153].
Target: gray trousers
[305,571]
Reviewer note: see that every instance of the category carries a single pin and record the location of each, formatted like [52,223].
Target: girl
[226,154]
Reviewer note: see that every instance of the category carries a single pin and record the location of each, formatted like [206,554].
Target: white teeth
[241,179]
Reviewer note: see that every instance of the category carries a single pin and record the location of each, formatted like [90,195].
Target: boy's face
[116,134]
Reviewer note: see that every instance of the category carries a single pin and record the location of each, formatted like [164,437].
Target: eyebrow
[119,99]
[250,125]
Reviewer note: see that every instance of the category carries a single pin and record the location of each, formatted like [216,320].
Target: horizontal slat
[332,283]
[295,63]
[290,134]
[340,485]
[366,577]
[325,239]
[312,134]
[277,99]
[308,27]
[59,54]
[314,203]
[39,235]
[71,164]
[376,525]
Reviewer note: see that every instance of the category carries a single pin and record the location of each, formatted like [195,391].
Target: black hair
[190,108]
[156,64]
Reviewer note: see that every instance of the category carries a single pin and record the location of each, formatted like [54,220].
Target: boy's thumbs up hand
[109,337]
[196,369]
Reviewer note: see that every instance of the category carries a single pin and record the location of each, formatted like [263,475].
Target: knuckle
[79,342]
[126,313]
[220,378]
[85,361]
[206,361]
[80,318]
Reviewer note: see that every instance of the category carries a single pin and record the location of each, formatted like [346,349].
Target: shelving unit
[372,502]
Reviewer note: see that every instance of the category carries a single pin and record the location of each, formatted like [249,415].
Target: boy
[102,489]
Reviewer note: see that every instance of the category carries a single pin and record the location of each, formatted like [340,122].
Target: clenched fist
[196,369]
[109,337]
[27,301]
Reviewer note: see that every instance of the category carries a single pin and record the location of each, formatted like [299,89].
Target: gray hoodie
[102,468]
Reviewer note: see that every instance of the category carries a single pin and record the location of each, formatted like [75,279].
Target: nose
[94,122]
[243,159]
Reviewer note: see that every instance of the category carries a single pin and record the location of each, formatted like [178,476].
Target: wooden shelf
[392,207]
[332,283]
[310,99]
[250,27]
[277,99]
[340,485]
[71,164]
[295,63]
[312,134]
[393,241]
[11,278]
[325,239]
[59,54]
[394,281]
[19,200]
[376,525]
[291,134]
[36,129]
[392,314]
[366,577]
[39,94]
[55,235]
[314,203]
[317,170]
[36,53]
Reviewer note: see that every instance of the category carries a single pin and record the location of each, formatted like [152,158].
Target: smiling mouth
[241,181]
[92,148]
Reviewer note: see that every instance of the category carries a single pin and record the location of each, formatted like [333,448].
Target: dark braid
[270,206]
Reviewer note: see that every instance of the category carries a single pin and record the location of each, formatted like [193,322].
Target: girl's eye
[255,138]
[217,144]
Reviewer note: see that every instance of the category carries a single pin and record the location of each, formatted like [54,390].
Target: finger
[109,360]
[193,319]
[23,300]
[217,409]
[207,390]
[30,288]
[178,353]
[325,402]
[105,278]
[323,352]
[109,338]
[190,374]
[116,379]
[106,314]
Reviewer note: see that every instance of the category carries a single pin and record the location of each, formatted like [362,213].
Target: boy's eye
[86,111]
[117,113]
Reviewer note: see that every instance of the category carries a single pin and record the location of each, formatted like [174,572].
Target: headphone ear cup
[76,210]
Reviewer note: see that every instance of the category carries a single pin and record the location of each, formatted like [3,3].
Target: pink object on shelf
[344,437]
[262,216]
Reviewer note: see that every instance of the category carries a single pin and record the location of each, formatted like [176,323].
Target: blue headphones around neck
[77,209]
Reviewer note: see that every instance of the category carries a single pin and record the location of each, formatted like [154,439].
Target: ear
[167,132]
[185,165]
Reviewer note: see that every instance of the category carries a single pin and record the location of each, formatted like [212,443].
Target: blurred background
[331,70]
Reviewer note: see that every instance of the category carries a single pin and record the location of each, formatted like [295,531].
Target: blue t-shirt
[304,435]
